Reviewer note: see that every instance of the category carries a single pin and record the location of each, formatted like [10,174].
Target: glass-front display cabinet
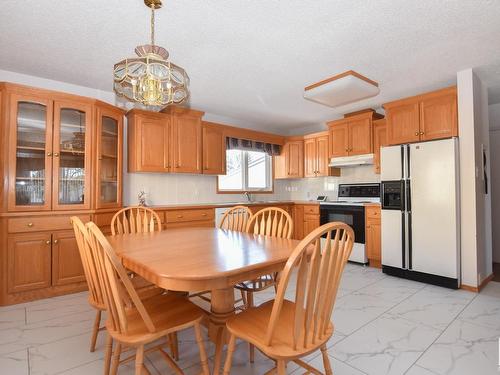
[71,155]
[50,166]
[31,163]
[109,157]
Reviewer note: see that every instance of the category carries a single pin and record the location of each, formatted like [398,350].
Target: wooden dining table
[199,259]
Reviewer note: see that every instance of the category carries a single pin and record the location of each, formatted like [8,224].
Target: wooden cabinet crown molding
[182,111]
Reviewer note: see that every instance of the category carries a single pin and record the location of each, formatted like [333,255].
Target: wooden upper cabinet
[360,136]
[379,140]
[438,117]
[317,156]
[148,142]
[109,164]
[339,135]
[310,162]
[351,135]
[214,149]
[422,118]
[290,163]
[403,123]
[295,159]
[322,156]
[186,140]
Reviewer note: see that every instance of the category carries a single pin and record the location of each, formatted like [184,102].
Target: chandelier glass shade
[150,79]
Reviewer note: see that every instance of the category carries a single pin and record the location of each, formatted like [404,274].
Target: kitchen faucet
[249,197]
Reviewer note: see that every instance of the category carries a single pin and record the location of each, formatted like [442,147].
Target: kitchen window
[246,171]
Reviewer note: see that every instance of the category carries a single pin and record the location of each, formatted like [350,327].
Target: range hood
[342,89]
[351,161]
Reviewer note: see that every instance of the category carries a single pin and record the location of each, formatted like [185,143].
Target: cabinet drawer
[180,216]
[310,209]
[36,224]
[373,213]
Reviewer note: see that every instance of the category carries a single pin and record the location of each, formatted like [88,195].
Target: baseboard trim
[477,289]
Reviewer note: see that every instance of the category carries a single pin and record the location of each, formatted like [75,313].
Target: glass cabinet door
[31,163]
[109,164]
[72,131]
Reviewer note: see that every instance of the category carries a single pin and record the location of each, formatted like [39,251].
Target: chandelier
[151,79]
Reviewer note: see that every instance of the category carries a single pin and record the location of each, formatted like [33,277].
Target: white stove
[349,208]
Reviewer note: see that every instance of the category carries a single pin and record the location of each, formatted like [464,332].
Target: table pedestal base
[222,308]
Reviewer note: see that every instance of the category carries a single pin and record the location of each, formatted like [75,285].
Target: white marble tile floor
[384,325]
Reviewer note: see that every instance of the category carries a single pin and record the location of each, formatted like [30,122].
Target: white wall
[494,116]
[475,206]
[42,83]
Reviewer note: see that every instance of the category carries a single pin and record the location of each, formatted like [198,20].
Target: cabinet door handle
[49,153]
[30,225]
[416,133]
[421,133]
[56,241]
[203,214]
[47,242]
[56,154]
[180,216]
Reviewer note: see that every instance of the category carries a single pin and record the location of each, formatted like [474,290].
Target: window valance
[248,145]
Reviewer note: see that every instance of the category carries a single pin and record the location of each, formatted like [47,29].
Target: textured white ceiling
[250,60]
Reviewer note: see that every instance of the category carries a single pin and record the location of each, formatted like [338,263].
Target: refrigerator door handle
[408,210]
[403,240]
[408,156]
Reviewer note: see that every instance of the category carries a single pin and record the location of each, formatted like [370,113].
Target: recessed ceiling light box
[344,88]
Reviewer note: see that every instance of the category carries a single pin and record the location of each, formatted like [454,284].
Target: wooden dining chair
[139,219]
[142,322]
[236,218]
[270,221]
[96,298]
[135,220]
[287,330]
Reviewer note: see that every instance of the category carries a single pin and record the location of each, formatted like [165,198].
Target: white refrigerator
[420,212]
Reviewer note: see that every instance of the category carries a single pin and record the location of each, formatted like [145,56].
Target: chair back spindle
[319,266]
[236,219]
[271,221]
[135,220]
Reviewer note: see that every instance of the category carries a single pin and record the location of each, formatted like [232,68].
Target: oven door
[354,216]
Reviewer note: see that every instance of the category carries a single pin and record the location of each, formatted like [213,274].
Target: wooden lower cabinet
[306,219]
[373,236]
[66,264]
[298,222]
[40,256]
[311,222]
[28,262]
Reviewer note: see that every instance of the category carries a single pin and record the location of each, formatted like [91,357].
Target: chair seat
[261,283]
[251,325]
[168,312]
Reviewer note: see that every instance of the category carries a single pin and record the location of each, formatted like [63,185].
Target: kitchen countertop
[228,204]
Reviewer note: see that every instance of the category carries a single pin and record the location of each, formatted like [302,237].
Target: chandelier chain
[152,24]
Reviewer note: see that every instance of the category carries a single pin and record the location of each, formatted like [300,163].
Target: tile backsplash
[164,189]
